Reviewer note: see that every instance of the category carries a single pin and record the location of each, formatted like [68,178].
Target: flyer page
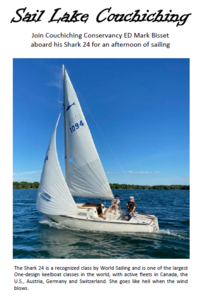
[101,123]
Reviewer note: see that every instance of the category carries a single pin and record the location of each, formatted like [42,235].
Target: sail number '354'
[76,126]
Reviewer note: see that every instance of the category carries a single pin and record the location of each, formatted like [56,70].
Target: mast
[63,75]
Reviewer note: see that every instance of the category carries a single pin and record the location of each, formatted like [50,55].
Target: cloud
[27,179]
[27,173]
[57,75]
[142,172]
[135,172]
[112,173]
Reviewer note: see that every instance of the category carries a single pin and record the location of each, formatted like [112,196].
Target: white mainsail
[85,175]
[54,197]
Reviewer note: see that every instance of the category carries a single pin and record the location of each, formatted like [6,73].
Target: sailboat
[84,177]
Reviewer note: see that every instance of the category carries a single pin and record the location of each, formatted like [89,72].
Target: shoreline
[114,186]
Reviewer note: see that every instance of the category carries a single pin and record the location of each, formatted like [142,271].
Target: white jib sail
[54,197]
[85,175]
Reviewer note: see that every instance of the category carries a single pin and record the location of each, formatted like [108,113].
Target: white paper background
[185,43]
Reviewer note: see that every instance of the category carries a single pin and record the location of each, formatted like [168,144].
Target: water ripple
[38,237]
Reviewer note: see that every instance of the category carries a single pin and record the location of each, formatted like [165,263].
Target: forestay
[54,197]
[85,175]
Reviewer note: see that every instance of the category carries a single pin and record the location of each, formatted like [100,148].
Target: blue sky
[137,111]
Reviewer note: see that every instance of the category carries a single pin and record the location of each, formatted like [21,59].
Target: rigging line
[59,95]
[80,96]
[60,107]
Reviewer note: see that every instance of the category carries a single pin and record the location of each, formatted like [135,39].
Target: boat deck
[96,210]
[89,218]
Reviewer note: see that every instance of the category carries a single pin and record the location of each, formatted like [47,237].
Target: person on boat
[131,207]
[114,205]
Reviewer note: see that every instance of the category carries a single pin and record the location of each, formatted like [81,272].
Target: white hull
[113,223]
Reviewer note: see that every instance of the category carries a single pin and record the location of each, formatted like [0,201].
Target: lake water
[37,237]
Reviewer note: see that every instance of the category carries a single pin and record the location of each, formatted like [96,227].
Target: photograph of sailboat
[66,185]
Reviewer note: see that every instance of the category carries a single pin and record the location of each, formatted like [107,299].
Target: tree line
[25,185]
[148,187]
[114,186]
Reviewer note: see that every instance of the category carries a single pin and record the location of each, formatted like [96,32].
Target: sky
[137,111]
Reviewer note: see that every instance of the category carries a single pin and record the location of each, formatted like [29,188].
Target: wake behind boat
[84,177]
